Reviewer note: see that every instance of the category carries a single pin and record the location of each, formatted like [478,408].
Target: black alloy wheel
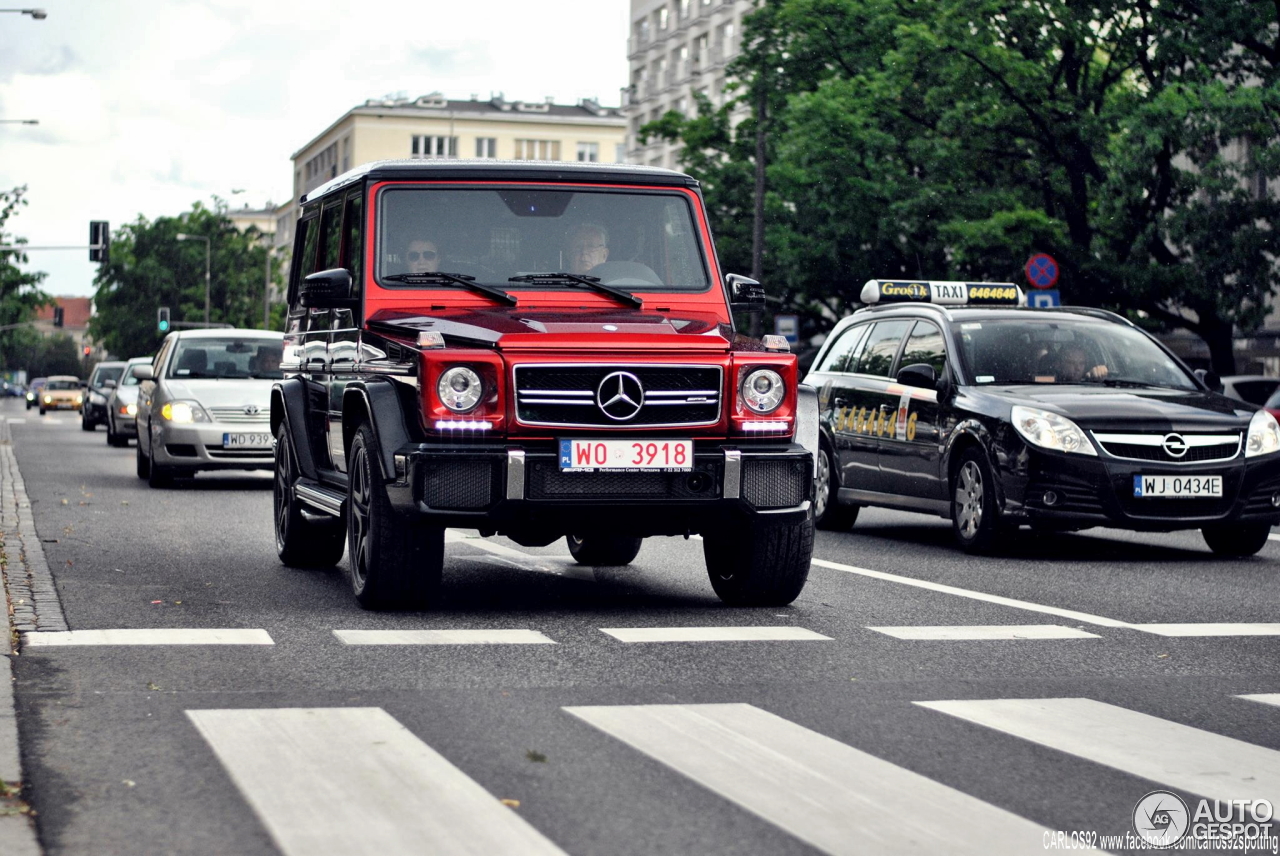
[300,542]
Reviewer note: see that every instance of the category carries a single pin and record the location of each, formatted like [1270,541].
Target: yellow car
[62,392]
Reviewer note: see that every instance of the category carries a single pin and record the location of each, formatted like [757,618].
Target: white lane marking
[829,795]
[1136,743]
[713,634]
[1273,537]
[147,636]
[986,632]
[1084,617]
[329,781]
[560,565]
[1210,629]
[17,422]
[1263,698]
[442,637]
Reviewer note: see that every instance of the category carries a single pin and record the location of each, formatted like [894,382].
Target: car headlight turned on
[460,389]
[1051,431]
[48,399]
[1264,435]
[128,410]
[763,391]
[183,412]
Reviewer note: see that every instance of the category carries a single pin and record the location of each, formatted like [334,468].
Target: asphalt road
[838,737]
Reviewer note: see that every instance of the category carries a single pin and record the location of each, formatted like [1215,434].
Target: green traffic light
[164,326]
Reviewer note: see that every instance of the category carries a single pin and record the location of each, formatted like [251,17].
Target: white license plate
[1189,487]
[246,440]
[624,456]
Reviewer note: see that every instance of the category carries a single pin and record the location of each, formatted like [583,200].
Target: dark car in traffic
[106,376]
[954,399]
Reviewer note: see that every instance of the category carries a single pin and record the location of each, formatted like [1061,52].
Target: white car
[122,405]
[205,403]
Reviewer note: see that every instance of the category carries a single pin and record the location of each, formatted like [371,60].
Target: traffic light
[88,350]
[162,319]
[57,316]
[99,241]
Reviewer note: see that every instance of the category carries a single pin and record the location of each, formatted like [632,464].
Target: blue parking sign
[1044,298]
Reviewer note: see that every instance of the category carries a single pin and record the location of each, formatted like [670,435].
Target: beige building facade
[677,50]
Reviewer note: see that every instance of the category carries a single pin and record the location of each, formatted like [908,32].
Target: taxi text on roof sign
[943,293]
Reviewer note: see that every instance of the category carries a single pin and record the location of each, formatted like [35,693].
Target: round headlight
[763,390]
[460,389]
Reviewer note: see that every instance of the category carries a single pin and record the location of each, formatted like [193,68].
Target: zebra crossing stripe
[443,637]
[1175,755]
[1210,629]
[829,795]
[713,634]
[1263,698]
[985,632]
[330,781]
[147,636]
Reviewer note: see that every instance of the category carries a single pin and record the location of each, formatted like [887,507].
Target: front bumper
[1078,491]
[61,404]
[518,488]
[200,446]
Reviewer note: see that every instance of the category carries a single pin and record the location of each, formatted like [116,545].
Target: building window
[589,152]
[664,18]
[435,147]
[684,9]
[322,167]
[537,150]
[486,147]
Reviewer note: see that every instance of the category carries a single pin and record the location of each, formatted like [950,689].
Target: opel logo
[251,410]
[620,396]
[1174,445]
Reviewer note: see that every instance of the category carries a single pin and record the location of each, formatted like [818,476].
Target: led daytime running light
[462,425]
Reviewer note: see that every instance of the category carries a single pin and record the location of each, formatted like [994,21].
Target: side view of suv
[537,350]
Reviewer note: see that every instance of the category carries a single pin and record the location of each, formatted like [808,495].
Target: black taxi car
[956,399]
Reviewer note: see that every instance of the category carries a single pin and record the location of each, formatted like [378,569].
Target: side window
[925,345]
[162,356]
[837,359]
[881,347]
[304,261]
[353,248]
[330,236]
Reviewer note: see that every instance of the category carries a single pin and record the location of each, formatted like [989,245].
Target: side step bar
[322,498]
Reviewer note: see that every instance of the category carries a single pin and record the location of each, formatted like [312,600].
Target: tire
[42,411]
[85,424]
[828,512]
[762,566]
[975,517]
[1236,540]
[300,543]
[603,549]
[393,562]
[143,465]
[159,476]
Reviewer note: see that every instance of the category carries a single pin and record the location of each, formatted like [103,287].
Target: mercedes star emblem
[1175,446]
[620,396]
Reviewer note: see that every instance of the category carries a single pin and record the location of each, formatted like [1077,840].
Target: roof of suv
[500,170]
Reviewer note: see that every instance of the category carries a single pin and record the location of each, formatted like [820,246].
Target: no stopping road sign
[1042,271]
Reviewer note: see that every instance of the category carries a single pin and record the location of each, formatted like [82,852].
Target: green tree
[20,294]
[55,355]
[950,139]
[150,268]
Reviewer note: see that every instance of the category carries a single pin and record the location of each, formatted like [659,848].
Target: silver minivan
[205,403]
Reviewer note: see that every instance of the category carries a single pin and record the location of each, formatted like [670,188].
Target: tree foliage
[20,293]
[149,268]
[954,138]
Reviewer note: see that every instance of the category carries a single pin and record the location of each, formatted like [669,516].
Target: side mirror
[919,375]
[327,289]
[1209,379]
[143,372]
[744,292]
[108,384]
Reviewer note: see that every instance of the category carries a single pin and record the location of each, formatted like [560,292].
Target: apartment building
[677,49]
[433,126]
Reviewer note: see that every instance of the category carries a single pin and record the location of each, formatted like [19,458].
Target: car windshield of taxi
[1065,350]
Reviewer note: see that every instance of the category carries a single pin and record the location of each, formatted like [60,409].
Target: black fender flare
[289,407]
[379,400]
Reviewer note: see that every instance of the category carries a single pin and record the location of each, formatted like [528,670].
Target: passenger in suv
[510,392]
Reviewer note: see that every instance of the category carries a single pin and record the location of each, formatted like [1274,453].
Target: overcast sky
[147,107]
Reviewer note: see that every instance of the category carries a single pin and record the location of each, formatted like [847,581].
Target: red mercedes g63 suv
[535,350]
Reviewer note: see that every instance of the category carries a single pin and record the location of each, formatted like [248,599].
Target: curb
[28,596]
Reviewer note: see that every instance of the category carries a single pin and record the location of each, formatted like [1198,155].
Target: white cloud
[147,106]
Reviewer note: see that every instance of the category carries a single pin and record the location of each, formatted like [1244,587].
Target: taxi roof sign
[943,293]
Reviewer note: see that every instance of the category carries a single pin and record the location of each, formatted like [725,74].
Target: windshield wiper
[591,282]
[462,279]
[1108,381]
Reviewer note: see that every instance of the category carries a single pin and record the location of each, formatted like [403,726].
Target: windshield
[632,240]
[1064,349]
[227,358]
[62,384]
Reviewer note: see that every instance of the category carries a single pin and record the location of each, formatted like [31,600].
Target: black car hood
[1118,408]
